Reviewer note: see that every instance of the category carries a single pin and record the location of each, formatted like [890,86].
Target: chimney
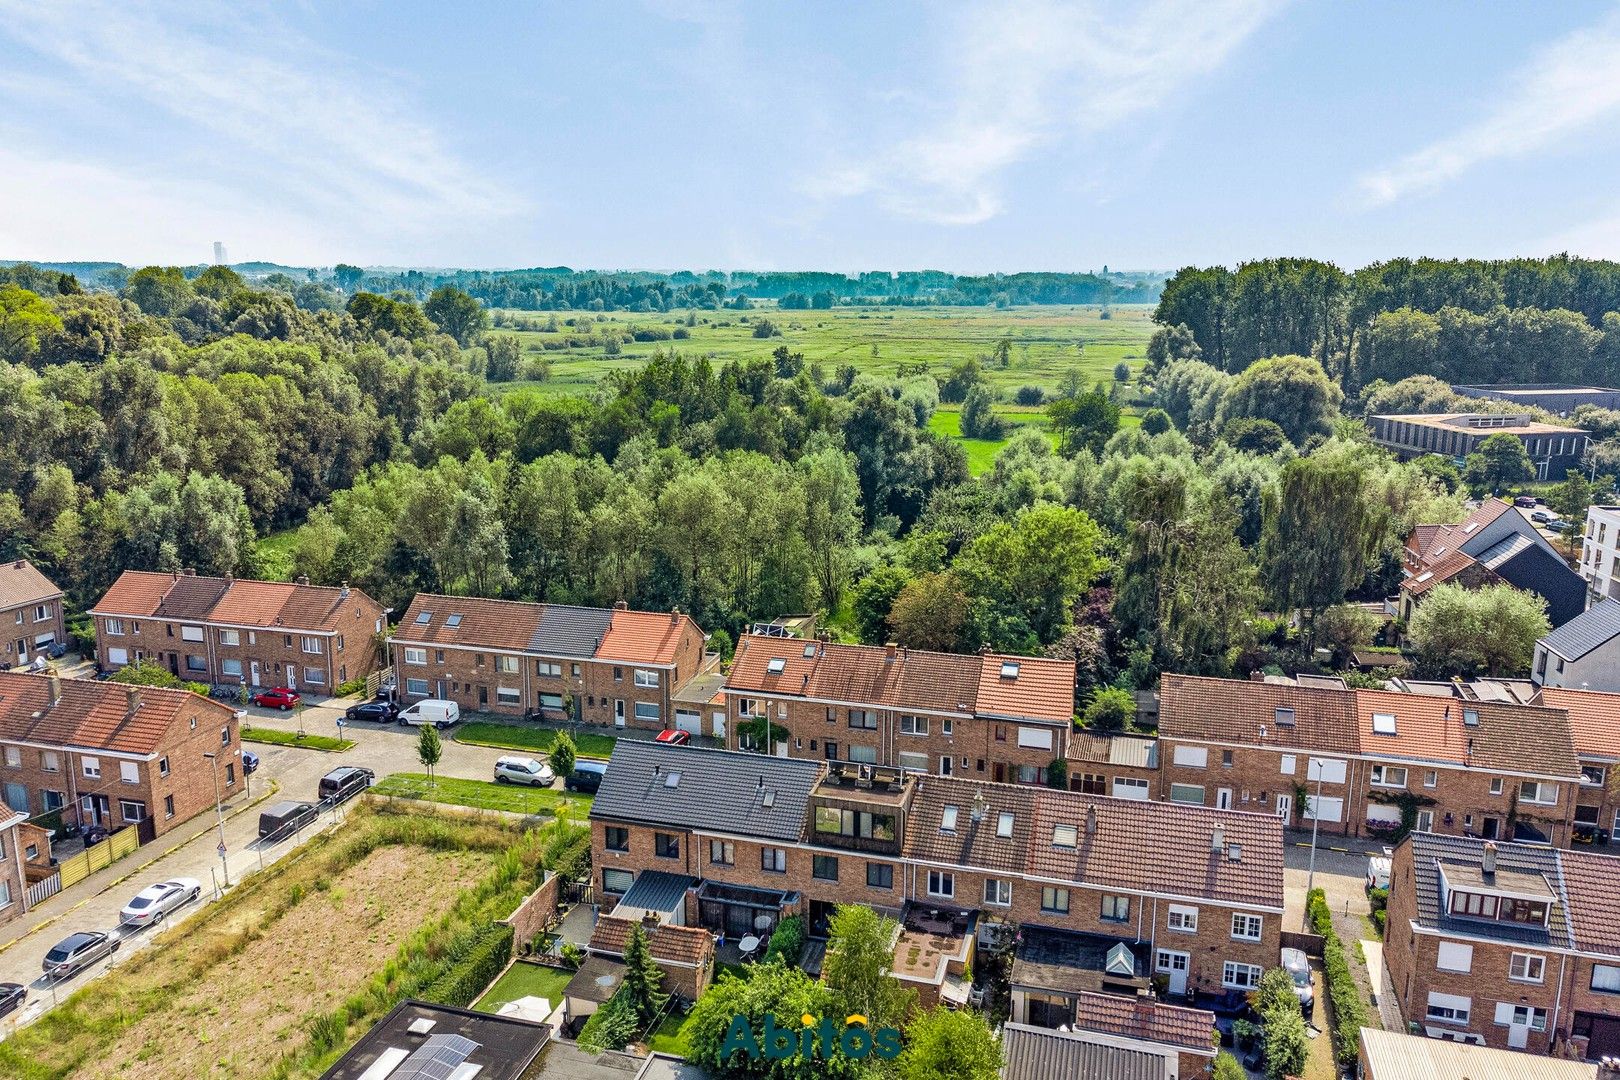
[985,649]
[657,768]
[620,605]
[53,683]
[674,615]
[1487,858]
[1144,1009]
[344,592]
[229,577]
[890,651]
[303,579]
[133,695]
[1091,821]
[1217,840]
[190,571]
[761,785]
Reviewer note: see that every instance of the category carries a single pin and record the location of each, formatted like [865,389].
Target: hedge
[1349,1012]
[476,960]
[787,940]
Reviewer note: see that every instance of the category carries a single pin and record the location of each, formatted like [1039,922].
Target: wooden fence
[76,868]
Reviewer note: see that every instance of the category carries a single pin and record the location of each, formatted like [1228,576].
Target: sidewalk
[109,877]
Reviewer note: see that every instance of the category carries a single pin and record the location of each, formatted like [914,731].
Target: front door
[945,765]
[174,664]
[255,673]
[618,713]
[95,810]
[22,652]
[1174,964]
[1285,807]
[292,677]
[1223,798]
[831,748]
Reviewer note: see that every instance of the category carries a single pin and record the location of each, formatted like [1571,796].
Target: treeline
[1521,320]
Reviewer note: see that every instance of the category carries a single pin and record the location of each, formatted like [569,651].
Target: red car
[278,698]
[674,738]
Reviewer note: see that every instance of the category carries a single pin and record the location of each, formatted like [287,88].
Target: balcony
[861,808]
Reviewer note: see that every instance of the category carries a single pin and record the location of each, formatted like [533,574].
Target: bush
[353,686]
[1349,1011]
[787,940]
[477,959]
[1111,709]
[978,420]
[1029,395]
[563,754]
[1228,1067]
[612,1026]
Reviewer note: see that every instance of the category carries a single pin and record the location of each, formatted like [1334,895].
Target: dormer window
[1009,669]
[776,666]
[1383,723]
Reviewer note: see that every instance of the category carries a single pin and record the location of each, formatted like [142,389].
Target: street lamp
[219,812]
[1316,823]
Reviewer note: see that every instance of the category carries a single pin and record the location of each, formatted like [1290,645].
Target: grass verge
[482,794]
[524,737]
[291,738]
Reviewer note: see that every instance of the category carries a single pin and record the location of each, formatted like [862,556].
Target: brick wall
[17,638]
[11,872]
[537,909]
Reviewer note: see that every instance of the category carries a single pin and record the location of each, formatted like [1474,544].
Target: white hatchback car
[523,770]
[154,902]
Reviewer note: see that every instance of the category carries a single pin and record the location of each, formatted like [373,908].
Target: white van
[441,714]
[1377,872]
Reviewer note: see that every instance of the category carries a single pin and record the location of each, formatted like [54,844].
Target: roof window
[1004,825]
[423,618]
[673,780]
[453,621]
[1009,669]
[810,650]
[1383,723]
[947,819]
[1426,575]
[776,666]
[1065,835]
[1471,717]
[1285,717]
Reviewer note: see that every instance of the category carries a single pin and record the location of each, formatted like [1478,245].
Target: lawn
[252,985]
[523,737]
[290,738]
[981,453]
[483,794]
[672,1035]
[525,980]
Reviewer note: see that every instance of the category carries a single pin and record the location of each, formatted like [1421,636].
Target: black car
[12,996]
[378,710]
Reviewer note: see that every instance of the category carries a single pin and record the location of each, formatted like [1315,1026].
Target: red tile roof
[645,636]
[1446,568]
[21,583]
[95,715]
[1236,711]
[493,624]
[1430,542]
[1594,718]
[903,679]
[685,945]
[1150,1021]
[234,601]
[1592,883]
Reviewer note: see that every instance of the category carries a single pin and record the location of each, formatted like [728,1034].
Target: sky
[676,134]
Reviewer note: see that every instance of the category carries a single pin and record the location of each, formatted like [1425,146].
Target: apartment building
[1494,544]
[1512,946]
[736,841]
[225,630]
[1600,552]
[989,717]
[30,614]
[608,666]
[1357,762]
[113,755]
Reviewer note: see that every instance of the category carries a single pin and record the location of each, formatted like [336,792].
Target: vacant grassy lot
[1045,341]
[290,738]
[483,794]
[525,980]
[525,737]
[276,978]
[981,453]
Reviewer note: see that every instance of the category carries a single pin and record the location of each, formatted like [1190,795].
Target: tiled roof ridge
[425,595]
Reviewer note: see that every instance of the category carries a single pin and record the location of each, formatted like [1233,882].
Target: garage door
[689,722]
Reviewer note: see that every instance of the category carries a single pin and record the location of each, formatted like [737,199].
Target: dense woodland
[182,418]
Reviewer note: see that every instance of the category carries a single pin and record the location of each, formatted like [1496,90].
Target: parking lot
[288,772]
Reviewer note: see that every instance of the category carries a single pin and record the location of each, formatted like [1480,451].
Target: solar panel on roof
[436,1059]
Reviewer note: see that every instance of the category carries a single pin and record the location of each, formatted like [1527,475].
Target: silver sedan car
[154,902]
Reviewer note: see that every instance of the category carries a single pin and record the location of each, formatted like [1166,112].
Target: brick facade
[13,881]
[31,617]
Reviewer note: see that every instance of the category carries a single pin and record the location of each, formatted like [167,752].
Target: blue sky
[677,134]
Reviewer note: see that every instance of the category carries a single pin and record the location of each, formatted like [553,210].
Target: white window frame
[1185,790]
[416,687]
[941,883]
[123,811]
[545,669]
[1381,776]
[312,645]
[1247,926]
[508,665]
[1050,895]
[90,767]
[129,772]
[1541,788]
[998,892]
[315,676]
[1448,1008]
[230,665]
[1190,757]
[117,657]
[1521,965]
[508,695]
[1182,919]
[415,656]
[1456,957]
[1004,825]
[230,637]
[913,725]
[1035,738]
[192,633]
[1115,908]
[649,711]
[1232,969]
[646,678]
[115,627]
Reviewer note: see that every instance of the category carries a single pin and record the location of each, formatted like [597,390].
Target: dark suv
[341,785]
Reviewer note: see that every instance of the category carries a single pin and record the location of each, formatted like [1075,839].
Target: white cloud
[322,146]
[1565,89]
[1023,75]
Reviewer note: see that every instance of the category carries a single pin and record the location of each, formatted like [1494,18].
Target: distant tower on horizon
[219,253]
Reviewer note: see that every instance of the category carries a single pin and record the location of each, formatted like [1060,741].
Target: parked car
[279,697]
[1559,525]
[250,762]
[1377,872]
[523,770]
[78,951]
[341,785]
[378,710]
[1543,517]
[58,650]
[441,714]
[586,777]
[1298,967]
[674,737]
[153,903]
[1526,502]
[12,997]
[284,818]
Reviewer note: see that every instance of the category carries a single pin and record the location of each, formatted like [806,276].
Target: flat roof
[503,1046]
[1522,425]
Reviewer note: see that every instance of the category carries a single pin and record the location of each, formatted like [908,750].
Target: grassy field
[482,794]
[525,980]
[520,737]
[290,738]
[981,453]
[247,986]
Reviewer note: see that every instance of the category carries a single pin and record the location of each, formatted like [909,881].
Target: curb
[115,882]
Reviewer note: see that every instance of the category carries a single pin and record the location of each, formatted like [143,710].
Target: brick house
[999,718]
[13,878]
[607,666]
[1486,768]
[1513,946]
[1594,724]
[685,954]
[30,614]
[113,755]
[736,841]
[230,631]
[1121,766]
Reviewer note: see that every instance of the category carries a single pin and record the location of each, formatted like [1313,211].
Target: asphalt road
[382,748]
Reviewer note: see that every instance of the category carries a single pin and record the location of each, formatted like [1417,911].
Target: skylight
[809,650]
[672,780]
[947,819]
[1426,575]
[768,800]
[424,618]
[1004,825]
[1065,835]
[1009,669]
[776,666]
[1471,717]
[1285,717]
[454,620]
[1383,723]
[1470,527]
